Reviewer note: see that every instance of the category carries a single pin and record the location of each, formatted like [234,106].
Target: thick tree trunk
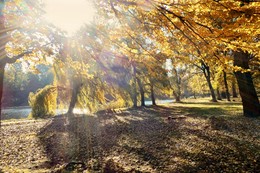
[177,97]
[226,85]
[152,95]
[251,107]
[218,94]
[206,73]
[141,91]
[74,97]
[135,92]
[2,71]
[234,91]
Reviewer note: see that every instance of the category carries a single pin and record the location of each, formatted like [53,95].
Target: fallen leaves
[135,140]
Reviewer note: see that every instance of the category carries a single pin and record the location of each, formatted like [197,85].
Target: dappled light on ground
[151,139]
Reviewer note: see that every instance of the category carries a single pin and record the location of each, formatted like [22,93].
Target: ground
[183,137]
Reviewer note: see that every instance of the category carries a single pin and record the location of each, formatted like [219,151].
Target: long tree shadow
[90,138]
[73,144]
[146,140]
[142,143]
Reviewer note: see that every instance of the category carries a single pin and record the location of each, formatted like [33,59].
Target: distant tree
[19,82]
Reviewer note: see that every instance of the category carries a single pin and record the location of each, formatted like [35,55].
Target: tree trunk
[74,97]
[206,73]
[177,97]
[2,71]
[223,94]
[234,91]
[135,92]
[141,91]
[218,94]
[152,95]
[211,90]
[226,85]
[2,54]
[251,107]
[177,93]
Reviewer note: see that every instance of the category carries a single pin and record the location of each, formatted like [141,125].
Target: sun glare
[69,15]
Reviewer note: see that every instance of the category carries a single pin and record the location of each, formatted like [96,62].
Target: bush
[43,102]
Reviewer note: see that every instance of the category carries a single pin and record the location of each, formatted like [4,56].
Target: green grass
[203,107]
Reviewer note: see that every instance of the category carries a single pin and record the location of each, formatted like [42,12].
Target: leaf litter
[133,140]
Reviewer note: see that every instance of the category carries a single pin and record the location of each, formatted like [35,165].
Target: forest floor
[179,137]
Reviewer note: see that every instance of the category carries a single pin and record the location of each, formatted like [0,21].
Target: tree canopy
[120,58]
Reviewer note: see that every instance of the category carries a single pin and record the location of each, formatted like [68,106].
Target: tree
[209,27]
[177,74]
[233,86]
[246,87]
[226,85]
[141,90]
[207,74]
[199,88]
[19,81]
[17,39]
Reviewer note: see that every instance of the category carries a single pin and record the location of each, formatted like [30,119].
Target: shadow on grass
[144,140]
[89,139]
[72,143]
[205,112]
[199,112]
[213,103]
[221,153]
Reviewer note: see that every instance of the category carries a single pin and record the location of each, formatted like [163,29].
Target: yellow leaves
[236,69]
[135,51]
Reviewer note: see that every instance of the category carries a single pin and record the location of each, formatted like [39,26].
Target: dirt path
[154,139]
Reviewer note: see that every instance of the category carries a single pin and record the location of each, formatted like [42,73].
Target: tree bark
[141,91]
[135,92]
[152,95]
[177,89]
[206,72]
[2,54]
[177,96]
[234,91]
[226,85]
[218,94]
[251,107]
[2,71]
[178,93]
[74,97]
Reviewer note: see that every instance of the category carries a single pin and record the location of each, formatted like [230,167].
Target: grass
[203,107]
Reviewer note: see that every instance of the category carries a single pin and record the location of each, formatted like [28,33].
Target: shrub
[43,102]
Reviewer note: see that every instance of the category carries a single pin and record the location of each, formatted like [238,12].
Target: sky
[69,15]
